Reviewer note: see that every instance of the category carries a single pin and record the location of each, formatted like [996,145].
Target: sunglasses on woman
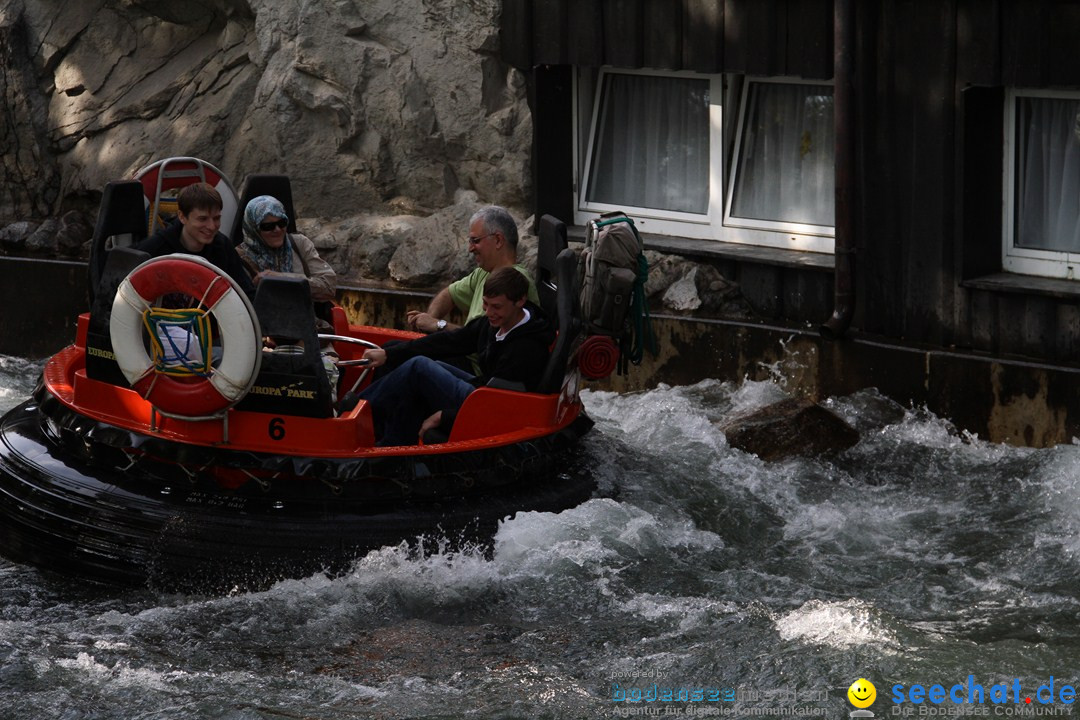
[268,226]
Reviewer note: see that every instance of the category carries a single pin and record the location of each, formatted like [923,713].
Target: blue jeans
[403,399]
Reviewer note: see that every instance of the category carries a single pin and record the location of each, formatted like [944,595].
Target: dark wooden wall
[761,37]
[930,87]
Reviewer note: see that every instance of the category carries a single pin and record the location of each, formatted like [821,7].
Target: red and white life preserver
[177,172]
[237,323]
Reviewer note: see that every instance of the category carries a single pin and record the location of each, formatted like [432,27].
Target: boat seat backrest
[121,222]
[568,319]
[277,186]
[551,241]
[293,383]
[100,361]
[163,180]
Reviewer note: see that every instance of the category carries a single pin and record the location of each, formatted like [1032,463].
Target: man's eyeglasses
[268,226]
[478,240]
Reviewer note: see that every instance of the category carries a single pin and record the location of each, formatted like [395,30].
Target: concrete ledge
[736,252]
[1026,285]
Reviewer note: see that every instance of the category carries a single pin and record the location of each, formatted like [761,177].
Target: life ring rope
[202,300]
[167,327]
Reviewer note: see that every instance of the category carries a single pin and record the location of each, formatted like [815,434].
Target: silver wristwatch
[441,325]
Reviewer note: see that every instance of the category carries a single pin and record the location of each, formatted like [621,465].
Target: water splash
[838,625]
[921,552]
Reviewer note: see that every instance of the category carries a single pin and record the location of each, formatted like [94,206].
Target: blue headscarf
[267,258]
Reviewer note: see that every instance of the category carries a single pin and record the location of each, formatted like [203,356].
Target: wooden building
[720,125]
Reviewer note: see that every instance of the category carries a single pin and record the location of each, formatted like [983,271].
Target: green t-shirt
[468,292]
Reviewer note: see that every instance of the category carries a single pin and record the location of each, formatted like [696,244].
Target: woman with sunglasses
[269,248]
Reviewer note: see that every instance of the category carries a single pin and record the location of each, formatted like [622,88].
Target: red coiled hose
[598,357]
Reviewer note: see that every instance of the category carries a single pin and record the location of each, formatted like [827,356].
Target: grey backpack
[613,272]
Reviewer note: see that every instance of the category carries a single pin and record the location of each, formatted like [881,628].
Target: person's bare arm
[440,306]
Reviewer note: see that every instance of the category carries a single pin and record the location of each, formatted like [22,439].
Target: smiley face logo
[862,693]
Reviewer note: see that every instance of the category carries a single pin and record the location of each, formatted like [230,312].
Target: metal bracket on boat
[223,416]
[336,489]
[132,459]
[264,485]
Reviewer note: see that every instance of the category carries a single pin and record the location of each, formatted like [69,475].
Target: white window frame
[801,236]
[663,222]
[1028,261]
[712,225]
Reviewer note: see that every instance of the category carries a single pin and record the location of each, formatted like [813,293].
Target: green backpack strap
[641,337]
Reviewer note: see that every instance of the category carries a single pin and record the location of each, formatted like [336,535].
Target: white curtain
[1048,174]
[785,170]
[651,148]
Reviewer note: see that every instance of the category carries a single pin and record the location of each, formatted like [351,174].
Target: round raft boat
[126,469]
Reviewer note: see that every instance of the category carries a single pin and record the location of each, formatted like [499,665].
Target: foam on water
[922,552]
[839,625]
[1057,481]
[17,378]
[120,674]
[661,417]
[593,533]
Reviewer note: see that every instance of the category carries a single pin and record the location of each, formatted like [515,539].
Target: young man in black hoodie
[196,231]
[511,341]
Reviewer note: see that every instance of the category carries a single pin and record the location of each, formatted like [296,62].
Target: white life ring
[239,327]
[177,172]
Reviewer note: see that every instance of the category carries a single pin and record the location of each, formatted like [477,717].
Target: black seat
[277,186]
[121,222]
[295,382]
[551,241]
[567,317]
[100,360]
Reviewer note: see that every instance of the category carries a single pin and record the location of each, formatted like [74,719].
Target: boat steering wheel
[354,341]
[349,363]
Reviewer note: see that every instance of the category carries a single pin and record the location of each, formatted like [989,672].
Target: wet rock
[73,234]
[528,245]
[683,294]
[792,427]
[868,410]
[433,250]
[44,240]
[701,287]
[371,241]
[13,237]
[663,271]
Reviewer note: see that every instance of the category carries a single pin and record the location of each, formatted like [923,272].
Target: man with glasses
[493,239]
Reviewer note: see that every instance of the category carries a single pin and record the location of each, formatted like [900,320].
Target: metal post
[844,151]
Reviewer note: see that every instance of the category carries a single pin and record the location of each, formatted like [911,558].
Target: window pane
[651,148]
[785,163]
[1048,174]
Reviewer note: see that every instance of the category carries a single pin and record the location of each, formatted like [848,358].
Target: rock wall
[394,119]
[383,107]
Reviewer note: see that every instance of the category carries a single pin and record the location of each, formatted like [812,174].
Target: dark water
[750,589]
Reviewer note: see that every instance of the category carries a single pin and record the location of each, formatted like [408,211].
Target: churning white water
[698,580]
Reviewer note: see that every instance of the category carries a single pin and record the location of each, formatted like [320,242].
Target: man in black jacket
[511,341]
[196,231]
